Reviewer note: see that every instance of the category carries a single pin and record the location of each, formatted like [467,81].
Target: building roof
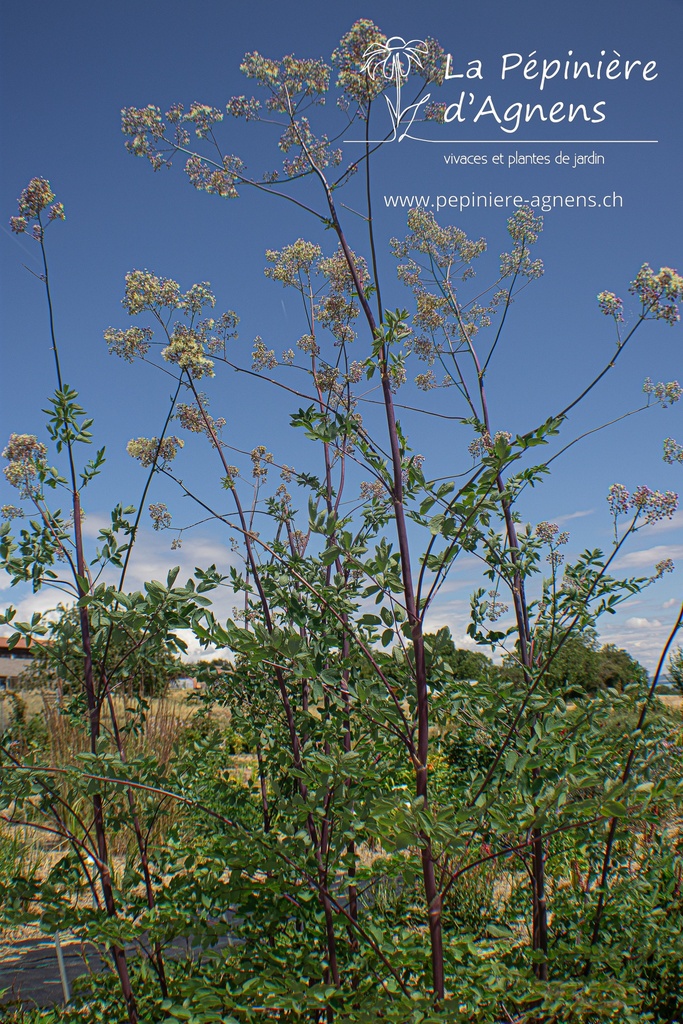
[20,645]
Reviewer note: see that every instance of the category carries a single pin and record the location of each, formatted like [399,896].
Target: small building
[13,661]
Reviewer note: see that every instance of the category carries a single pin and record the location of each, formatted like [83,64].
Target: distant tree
[676,668]
[464,664]
[580,665]
[141,668]
[617,669]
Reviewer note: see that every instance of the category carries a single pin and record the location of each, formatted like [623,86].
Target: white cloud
[675,523]
[579,514]
[151,560]
[648,557]
[639,623]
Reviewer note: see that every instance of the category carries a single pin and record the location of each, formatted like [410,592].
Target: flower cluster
[263,358]
[350,58]
[203,117]
[228,480]
[146,128]
[240,106]
[289,81]
[216,333]
[653,505]
[196,419]
[673,451]
[145,291]
[427,381]
[11,512]
[217,181]
[35,198]
[658,293]
[197,297]
[308,344]
[260,457]
[26,456]
[665,394]
[160,516]
[373,490]
[611,305]
[618,500]
[397,376]
[666,565]
[336,310]
[294,264]
[524,228]
[355,372]
[150,450]
[484,445]
[128,344]
[326,378]
[494,608]
[549,533]
[313,150]
[186,350]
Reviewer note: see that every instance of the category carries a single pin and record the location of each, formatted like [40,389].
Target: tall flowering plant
[359,878]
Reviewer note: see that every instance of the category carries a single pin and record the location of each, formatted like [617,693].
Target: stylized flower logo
[395,58]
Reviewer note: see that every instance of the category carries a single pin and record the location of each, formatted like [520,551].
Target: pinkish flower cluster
[26,455]
[658,293]
[215,180]
[160,516]
[240,106]
[146,128]
[665,394]
[495,608]
[618,499]
[666,565]
[653,505]
[673,451]
[484,445]
[549,533]
[373,490]
[35,198]
[197,420]
[436,112]
[611,305]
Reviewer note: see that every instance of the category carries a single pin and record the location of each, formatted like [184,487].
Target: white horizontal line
[544,142]
[527,142]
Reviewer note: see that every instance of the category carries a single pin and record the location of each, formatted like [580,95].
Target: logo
[394,60]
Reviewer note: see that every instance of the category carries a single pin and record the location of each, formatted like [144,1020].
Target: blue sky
[62,92]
